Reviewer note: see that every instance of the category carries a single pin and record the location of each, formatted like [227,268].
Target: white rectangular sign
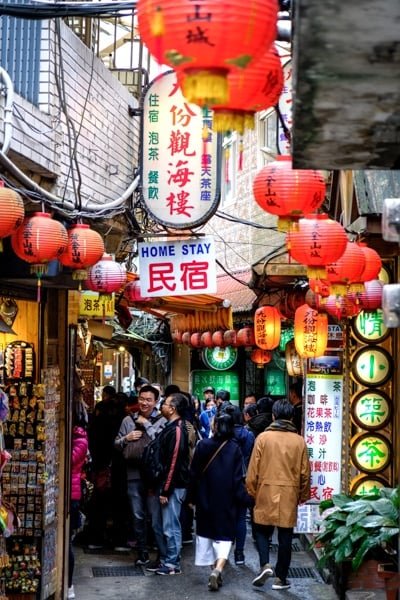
[177,268]
[323,433]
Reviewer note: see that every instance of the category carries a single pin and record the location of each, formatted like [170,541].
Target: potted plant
[354,529]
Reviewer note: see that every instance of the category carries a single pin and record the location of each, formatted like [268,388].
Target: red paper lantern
[206,339]
[133,293]
[84,249]
[195,340]
[106,276]
[347,269]
[373,263]
[267,327]
[11,211]
[340,307]
[319,286]
[310,332]
[218,338]
[186,338]
[250,90]
[230,337]
[316,242]
[206,40]
[371,297]
[286,192]
[261,357]
[245,336]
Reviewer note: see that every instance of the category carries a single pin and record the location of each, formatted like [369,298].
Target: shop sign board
[220,359]
[179,167]
[91,304]
[219,380]
[323,429]
[177,268]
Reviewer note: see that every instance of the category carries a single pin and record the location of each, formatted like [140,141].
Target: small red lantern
[340,307]
[218,338]
[319,287]
[106,276]
[347,269]
[373,263]
[245,336]
[286,192]
[84,249]
[261,357]
[267,327]
[230,337]
[371,297]
[11,211]
[186,338]
[207,40]
[310,332]
[250,90]
[133,293]
[206,339]
[317,242]
[195,340]
[38,241]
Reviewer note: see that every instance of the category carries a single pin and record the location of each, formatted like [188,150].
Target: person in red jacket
[79,452]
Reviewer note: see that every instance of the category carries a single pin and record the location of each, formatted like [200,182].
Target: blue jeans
[241,529]
[171,513]
[143,504]
[263,533]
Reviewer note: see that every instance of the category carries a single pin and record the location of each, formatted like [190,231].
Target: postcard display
[30,484]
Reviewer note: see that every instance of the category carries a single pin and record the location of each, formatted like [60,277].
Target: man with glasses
[140,428]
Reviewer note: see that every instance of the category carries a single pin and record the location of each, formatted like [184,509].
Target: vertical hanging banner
[323,425]
[286,108]
[180,162]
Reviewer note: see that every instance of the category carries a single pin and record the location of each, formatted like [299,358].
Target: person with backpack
[173,447]
[137,431]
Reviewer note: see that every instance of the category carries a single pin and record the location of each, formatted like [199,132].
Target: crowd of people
[167,470]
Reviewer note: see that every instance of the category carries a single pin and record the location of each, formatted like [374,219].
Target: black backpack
[151,468]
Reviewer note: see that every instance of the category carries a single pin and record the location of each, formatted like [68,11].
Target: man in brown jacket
[278,478]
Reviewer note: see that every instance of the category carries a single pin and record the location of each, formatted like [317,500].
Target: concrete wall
[96,105]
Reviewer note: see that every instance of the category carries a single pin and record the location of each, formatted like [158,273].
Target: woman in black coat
[217,490]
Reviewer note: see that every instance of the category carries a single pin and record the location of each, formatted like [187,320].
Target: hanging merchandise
[11,212]
[267,327]
[84,249]
[310,332]
[207,41]
[39,240]
[106,276]
[286,192]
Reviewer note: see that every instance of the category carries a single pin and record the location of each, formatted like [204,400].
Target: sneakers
[239,557]
[215,580]
[71,593]
[154,565]
[122,549]
[95,547]
[164,570]
[280,584]
[143,558]
[265,572]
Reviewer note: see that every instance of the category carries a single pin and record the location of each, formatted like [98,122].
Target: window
[268,128]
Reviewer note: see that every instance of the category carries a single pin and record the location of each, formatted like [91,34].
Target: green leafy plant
[352,527]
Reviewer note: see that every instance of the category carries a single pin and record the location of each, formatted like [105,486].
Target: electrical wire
[233,219]
[49,10]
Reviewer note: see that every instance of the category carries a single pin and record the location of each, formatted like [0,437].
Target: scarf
[281,425]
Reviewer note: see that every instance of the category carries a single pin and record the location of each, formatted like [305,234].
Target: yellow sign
[364,486]
[372,366]
[369,326]
[371,453]
[91,304]
[371,409]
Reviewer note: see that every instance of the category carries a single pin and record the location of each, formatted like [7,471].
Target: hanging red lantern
[195,340]
[316,242]
[310,332]
[84,249]
[245,336]
[371,297]
[347,269]
[133,293]
[319,286]
[267,327]
[11,212]
[106,276]
[230,337]
[206,339]
[261,357]
[373,263]
[255,88]
[207,40]
[286,192]
[218,338]
[340,307]
[186,338]
[38,241]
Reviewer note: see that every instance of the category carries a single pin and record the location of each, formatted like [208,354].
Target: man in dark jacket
[174,455]
[263,418]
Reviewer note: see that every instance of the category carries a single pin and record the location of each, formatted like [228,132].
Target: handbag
[213,456]
[132,451]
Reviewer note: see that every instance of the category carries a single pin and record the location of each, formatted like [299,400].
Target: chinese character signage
[371,452]
[371,409]
[180,185]
[225,380]
[95,306]
[323,433]
[177,268]
[372,366]
[369,327]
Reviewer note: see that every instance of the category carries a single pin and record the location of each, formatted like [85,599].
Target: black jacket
[176,470]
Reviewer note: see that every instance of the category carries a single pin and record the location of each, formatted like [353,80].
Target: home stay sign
[179,182]
[177,268]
